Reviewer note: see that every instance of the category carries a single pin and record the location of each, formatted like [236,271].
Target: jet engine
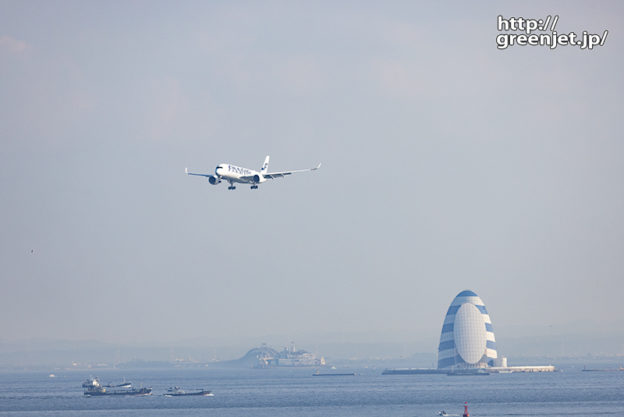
[214,180]
[257,179]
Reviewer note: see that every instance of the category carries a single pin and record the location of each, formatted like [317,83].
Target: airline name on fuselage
[239,170]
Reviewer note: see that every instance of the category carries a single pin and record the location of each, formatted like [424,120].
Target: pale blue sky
[447,165]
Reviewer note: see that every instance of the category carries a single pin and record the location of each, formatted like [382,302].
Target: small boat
[445,414]
[178,392]
[94,388]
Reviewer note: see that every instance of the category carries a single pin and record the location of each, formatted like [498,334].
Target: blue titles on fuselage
[238,170]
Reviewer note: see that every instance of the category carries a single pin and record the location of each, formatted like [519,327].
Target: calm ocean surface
[295,392]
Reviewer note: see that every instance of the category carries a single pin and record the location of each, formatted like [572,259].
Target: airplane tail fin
[265,166]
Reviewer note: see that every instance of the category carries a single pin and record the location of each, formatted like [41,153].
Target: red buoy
[466,410]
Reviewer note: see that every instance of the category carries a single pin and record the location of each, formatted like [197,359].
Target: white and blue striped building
[467,339]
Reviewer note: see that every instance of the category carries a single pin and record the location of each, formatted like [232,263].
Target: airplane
[234,174]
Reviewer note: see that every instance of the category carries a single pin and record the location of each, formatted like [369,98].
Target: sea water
[296,392]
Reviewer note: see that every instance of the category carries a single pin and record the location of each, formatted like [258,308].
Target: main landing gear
[254,187]
[231,187]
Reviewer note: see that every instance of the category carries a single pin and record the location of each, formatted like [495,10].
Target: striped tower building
[467,339]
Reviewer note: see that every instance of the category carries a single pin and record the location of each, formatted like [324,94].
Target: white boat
[178,392]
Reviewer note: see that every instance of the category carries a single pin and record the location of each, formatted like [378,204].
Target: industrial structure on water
[467,343]
[266,357]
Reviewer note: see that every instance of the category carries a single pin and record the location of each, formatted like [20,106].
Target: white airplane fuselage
[232,173]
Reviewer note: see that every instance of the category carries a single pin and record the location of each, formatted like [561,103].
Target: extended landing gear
[231,187]
[254,187]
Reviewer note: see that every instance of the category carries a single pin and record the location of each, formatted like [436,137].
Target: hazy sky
[447,165]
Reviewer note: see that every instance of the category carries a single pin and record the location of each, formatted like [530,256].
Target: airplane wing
[194,173]
[273,175]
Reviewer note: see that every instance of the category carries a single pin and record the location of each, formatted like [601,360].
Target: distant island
[267,357]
